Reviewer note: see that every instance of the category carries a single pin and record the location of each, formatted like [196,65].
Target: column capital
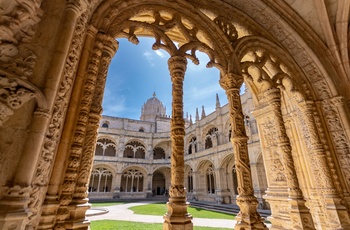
[110,45]
[273,94]
[78,6]
[231,81]
[177,66]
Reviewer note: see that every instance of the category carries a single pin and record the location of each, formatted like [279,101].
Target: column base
[248,218]
[177,217]
[14,210]
[300,215]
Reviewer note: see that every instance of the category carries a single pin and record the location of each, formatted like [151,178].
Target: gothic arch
[161,168]
[143,170]
[69,156]
[213,39]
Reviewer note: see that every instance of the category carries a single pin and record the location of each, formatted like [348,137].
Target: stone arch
[161,185]
[191,144]
[101,179]
[254,9]
[134,149]
[158,153]
[117,14]
[161,168]
[105,146]
[211,137]
[189,184]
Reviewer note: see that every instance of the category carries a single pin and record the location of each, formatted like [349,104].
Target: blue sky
[136,71]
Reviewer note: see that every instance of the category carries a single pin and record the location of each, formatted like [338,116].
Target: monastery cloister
[292,55]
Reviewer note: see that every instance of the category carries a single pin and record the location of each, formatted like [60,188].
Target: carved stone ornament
[18,20]
[41,178]
[12,97]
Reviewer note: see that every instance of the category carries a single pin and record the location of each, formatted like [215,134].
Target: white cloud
[149,57]
[160,53]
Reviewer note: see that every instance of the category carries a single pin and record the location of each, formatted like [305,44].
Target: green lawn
[105,204]
[159,209]
[126,225]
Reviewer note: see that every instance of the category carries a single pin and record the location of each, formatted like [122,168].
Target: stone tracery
[65,63]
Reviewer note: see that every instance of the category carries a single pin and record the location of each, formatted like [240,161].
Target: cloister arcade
[292,55]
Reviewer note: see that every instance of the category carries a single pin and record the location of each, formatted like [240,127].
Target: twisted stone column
[299,214]
[333,214]
[248,217]
[177,216]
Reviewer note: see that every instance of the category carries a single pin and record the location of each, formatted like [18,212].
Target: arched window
[132,181]
[158,153]
[235,181]
[141,130]
[105,147]
[190,182]
[229,133]
[192,146]
[105,125]
[158,183]
[210,180]
[134,149]
[210,137]
[208,142]
[100,180]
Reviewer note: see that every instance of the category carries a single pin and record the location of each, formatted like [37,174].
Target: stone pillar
[222,192]
[248,216]
[177,216]
[21,205]
[79,205]
[328,212]
[299,214]
[117,182]
[147,186]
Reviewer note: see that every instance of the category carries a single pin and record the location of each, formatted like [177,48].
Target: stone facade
[207,153]
[292,55]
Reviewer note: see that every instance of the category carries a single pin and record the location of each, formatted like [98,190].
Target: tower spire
[197,115]
[217,101]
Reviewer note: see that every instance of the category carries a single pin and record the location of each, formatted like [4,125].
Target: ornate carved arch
[262,58]
[193,29]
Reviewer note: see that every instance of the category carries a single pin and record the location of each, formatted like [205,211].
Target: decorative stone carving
[17,25]
[41,177]
[322,176]
[192,41]
[177,216]
[301,220]
[248,217]
[12,97]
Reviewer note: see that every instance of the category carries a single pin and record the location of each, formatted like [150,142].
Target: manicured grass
[126,225]
[159,209]
[105,204]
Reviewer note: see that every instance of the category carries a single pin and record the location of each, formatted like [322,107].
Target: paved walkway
[121,212]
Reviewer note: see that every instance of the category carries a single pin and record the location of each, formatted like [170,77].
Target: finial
[154,94]
[217,102]
[203,112]
[191,120]
[197,115]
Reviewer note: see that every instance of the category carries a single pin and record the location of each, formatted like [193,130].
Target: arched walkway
[53,75]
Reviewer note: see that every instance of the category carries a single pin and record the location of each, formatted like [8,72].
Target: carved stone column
[333,215]
[299,214]
[177,216]
[248,216]
[32,176]
[78,205]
